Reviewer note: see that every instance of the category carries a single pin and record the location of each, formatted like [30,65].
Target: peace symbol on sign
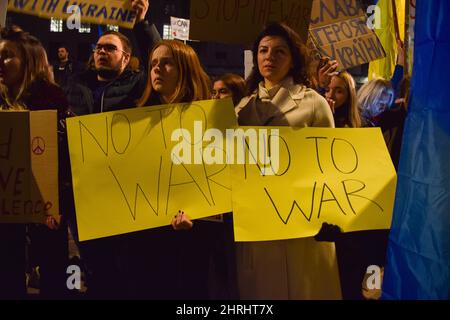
[38,145]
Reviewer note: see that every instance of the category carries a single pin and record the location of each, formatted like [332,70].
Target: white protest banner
[180,28]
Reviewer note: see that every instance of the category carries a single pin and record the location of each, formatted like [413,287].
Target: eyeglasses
[109,48]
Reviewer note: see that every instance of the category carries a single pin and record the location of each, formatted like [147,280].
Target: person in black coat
[26,83]
[108,86]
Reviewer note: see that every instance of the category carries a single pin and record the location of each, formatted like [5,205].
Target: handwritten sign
[116,12]
[340,176]
[28,166]
[124,177]
[3,5]
[338,30]
[241,21]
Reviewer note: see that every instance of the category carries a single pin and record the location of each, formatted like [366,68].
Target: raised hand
[327,71]
[141,7]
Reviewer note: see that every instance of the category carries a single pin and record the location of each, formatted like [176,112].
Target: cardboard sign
[115,12]
[339,30]
[240,21]
[28,166]
[339,176]
[125,178]
[3,5]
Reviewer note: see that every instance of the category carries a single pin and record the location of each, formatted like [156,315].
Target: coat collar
[279,101]
[296,92]
[286,95]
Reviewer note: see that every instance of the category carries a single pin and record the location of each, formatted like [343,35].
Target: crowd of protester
[280,91]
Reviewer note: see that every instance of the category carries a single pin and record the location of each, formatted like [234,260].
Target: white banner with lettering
[180,28]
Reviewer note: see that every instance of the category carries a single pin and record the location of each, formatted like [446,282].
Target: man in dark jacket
[110,86]
[65,67]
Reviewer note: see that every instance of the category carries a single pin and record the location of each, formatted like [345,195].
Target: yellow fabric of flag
[386,33]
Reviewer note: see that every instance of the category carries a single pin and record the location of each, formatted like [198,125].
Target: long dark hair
[235,83]
[35,65]
[299,72]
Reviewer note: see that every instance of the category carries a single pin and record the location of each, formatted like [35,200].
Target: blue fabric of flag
[418,256]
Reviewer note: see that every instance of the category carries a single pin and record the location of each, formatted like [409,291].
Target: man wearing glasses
[111,85]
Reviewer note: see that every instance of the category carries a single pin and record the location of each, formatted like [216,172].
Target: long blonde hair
[193,82]
[371,92]
[353,118]
[35,66]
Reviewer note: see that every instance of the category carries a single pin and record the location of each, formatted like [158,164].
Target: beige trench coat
[295,268]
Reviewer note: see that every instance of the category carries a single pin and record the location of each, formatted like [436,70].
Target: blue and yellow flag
[418,258]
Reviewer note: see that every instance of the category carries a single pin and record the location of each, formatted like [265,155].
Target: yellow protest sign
[339,30]
[126,177]
[340,176]
[241,21]
[115,12]
[28,166]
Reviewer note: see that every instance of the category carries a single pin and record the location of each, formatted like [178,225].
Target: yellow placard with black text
[125,178]
[339,176]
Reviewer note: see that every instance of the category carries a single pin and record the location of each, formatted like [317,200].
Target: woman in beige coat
[278,96]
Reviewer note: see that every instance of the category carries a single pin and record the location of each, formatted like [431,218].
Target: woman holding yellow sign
[175,75]
[278,95]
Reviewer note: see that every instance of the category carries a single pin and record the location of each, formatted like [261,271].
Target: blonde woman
[341,96]
[374,98]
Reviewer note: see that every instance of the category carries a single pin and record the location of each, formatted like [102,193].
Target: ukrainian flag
[418,257]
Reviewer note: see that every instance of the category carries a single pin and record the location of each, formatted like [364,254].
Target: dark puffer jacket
[119,94]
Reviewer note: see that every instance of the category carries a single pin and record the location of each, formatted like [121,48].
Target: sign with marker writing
[115,12]
[338,29]
[28,166]
[125,177]
[3,5]
[240,21]
[339,176]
